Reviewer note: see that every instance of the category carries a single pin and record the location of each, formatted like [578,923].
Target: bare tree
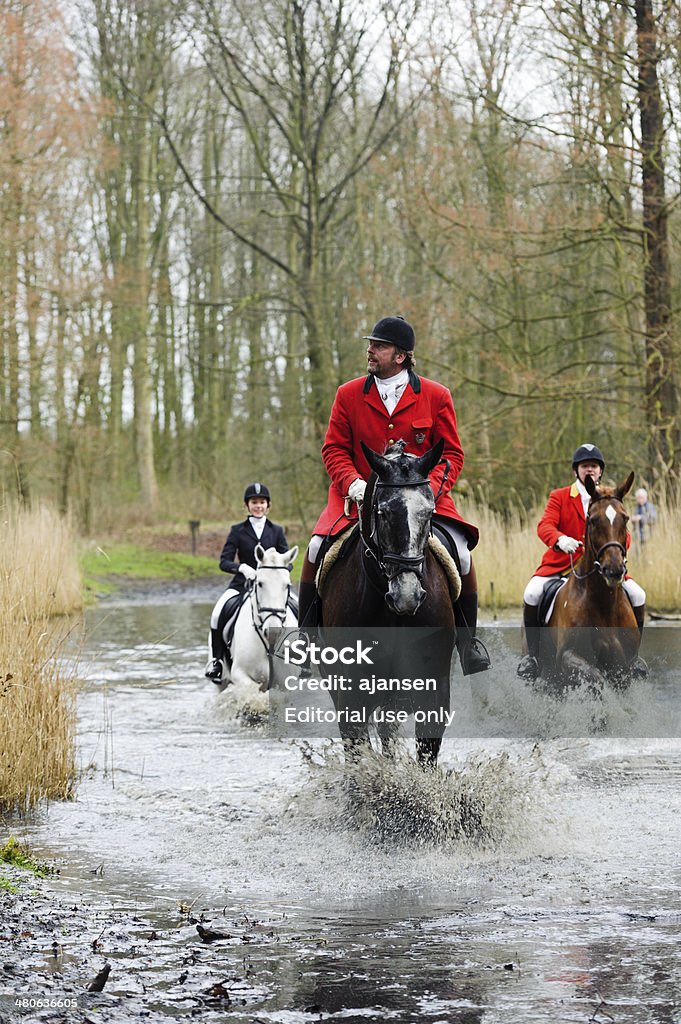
[662,381]
[289,72]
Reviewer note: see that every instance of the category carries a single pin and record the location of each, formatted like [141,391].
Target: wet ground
[226,874]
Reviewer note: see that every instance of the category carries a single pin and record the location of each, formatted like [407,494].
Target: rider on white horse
[238,557]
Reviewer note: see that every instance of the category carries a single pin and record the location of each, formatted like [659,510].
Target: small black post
[194,527]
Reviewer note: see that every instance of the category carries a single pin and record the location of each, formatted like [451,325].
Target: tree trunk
[660,387]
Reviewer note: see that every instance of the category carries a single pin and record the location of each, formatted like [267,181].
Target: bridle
[260,612]
[389,563]
[597,567]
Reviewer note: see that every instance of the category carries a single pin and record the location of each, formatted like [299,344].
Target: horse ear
[591,487]
[292,554]
[259,552]
[625,487]
[376,461]
[425,463]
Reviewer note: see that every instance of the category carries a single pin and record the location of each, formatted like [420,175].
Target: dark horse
[391,578]
[592,630]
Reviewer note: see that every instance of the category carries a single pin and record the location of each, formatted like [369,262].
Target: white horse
[264,611]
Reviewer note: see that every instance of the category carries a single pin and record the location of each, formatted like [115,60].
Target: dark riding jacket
[241,543]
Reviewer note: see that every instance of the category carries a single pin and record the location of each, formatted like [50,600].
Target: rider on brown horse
[561,528]
[390,404]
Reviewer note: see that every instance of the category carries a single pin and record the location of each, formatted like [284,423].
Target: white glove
[568,544]
[356,489]
[247,570]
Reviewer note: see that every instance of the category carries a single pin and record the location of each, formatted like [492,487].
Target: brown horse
[592,630]
[392,580]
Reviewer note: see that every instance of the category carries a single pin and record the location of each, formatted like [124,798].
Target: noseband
[597,567]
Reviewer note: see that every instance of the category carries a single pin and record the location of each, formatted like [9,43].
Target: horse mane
[604,491]
[394,451]
[273,557]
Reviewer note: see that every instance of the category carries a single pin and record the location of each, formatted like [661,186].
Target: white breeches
[313,547]
[637,595]
[219,605]
[535,589]
[457,535]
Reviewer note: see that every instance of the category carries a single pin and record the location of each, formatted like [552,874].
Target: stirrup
[528,668]
[474,656]
[639,668]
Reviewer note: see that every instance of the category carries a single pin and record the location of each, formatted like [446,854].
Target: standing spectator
[644,516]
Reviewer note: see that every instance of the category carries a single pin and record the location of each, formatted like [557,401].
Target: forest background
[206,204]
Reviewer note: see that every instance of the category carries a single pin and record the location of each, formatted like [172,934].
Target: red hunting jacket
[423,415]
[564,514]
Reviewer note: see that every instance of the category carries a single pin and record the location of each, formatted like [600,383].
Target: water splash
[245,705]
[392,801]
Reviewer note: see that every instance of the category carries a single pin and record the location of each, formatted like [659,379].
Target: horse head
[606,529]
[272,586]
[400,503]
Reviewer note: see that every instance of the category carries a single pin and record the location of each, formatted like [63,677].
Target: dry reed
[39,578]
[656,565]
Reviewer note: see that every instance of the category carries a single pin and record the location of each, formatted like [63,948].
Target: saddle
[332,550]
[228,616]
[548,599]
[230,613]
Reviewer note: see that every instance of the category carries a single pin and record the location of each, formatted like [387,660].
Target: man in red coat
[389,404]
[561,528]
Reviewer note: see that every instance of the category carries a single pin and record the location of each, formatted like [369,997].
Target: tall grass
[656,565]
[39,579]
[510,550]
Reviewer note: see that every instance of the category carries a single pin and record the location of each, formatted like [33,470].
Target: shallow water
[567,908]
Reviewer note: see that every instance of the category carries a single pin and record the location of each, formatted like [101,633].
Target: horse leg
[387,733]
[578,670]
[427,751]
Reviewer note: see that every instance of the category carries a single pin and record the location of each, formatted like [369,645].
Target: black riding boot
[472,652]
[639,669]
[308,605]
[214,669]
[530,665]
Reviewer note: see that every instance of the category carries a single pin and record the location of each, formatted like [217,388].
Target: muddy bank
[57,949]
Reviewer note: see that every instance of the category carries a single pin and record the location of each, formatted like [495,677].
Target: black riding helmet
[588,453]
[393,330]
[256,491]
